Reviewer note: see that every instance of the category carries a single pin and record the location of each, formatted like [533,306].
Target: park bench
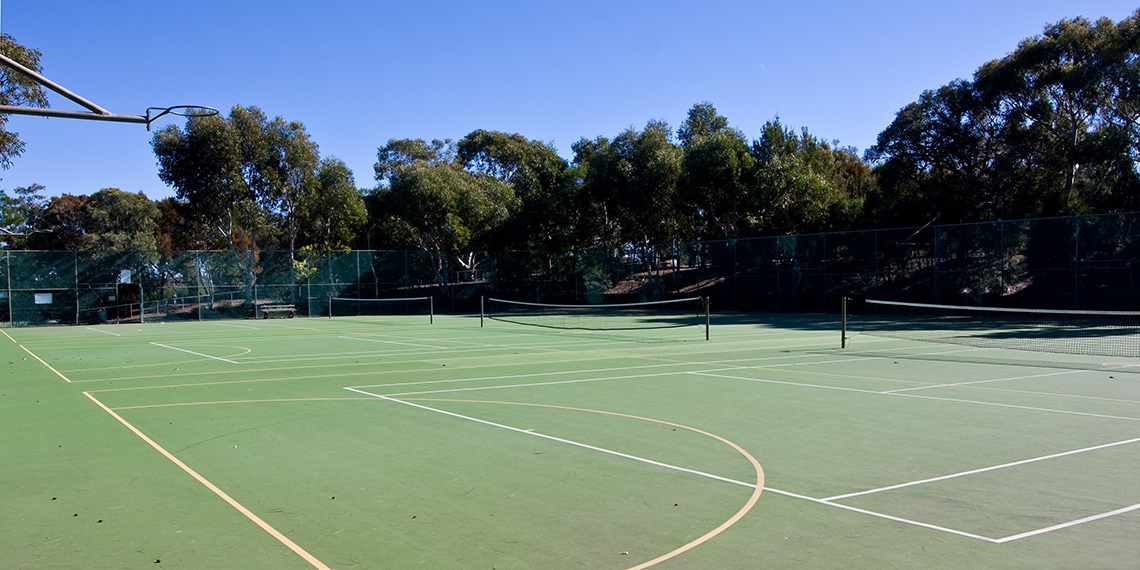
[282,310]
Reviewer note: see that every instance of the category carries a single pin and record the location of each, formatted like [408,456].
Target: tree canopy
[1053,128]
[19,90]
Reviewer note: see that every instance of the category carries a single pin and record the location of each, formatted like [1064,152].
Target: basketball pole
[94,112]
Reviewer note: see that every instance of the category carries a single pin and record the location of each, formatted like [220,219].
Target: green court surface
[386,442]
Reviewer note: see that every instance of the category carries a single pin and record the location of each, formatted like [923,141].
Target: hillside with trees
[1051,129]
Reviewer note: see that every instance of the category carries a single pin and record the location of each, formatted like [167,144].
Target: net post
[843,325]
[431,309]
[481,311]
[706,303]
[330,306]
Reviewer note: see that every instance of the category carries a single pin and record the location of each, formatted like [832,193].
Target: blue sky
[358,73]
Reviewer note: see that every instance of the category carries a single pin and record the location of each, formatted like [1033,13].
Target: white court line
[239,326]
[195,353]
[561,344]
[592,371]
[596,379]
[719,368]
[908,395]
[341,355]
[102,331]
[708,372]
[674,467]
[764,381]
[1029,408]
[983,469]
[1014,537]
[882,515]
[531,384]
[1045,375]
[391,342]
[555,438]
[827,501]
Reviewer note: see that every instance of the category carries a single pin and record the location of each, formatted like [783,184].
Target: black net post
[843,325]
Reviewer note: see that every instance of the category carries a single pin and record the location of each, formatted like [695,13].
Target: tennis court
[392,442]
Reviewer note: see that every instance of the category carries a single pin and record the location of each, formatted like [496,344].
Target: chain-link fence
[1071,263]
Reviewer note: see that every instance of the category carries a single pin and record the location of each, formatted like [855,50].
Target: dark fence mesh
[1061,263]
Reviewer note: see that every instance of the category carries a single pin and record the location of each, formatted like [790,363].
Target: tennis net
[1100,333]
[348,307]
[690,312]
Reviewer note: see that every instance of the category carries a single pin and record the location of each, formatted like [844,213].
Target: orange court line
[233,503]
[49,367]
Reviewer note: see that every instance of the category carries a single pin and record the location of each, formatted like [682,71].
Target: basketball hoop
[179,110]
[94,112]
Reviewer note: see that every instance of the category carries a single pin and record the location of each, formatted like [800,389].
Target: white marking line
[239,326]
[544,348]
[595,379]
[954,384]
[1029,408]
[674,467]
[829,501]
[638,367]
[531,432]
[534,384]
[102,331]
[643,366]
[983,469]
[907,395]
[391,342]
[882,515]
[1014,537]
[195,353]
[786,383]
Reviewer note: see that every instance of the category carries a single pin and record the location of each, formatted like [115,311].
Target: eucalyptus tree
[714,190]
[804,184]
[332,216]
[702,120]
[426,200]
[114,220]
[629,192]
[242,177]
[19,90]
[545,218]
[1055,103]
[943,154]
[61,224]
[1052,128]
[633,179]
[19,214]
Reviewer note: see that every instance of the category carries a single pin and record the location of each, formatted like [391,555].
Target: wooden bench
[283,310]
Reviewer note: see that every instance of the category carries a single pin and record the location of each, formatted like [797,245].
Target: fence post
[938,258]
[198,282]
[8,272]
[735,278]
[1076,262]
[75,284]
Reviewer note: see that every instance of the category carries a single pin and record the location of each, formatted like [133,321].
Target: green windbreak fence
[1063,263]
